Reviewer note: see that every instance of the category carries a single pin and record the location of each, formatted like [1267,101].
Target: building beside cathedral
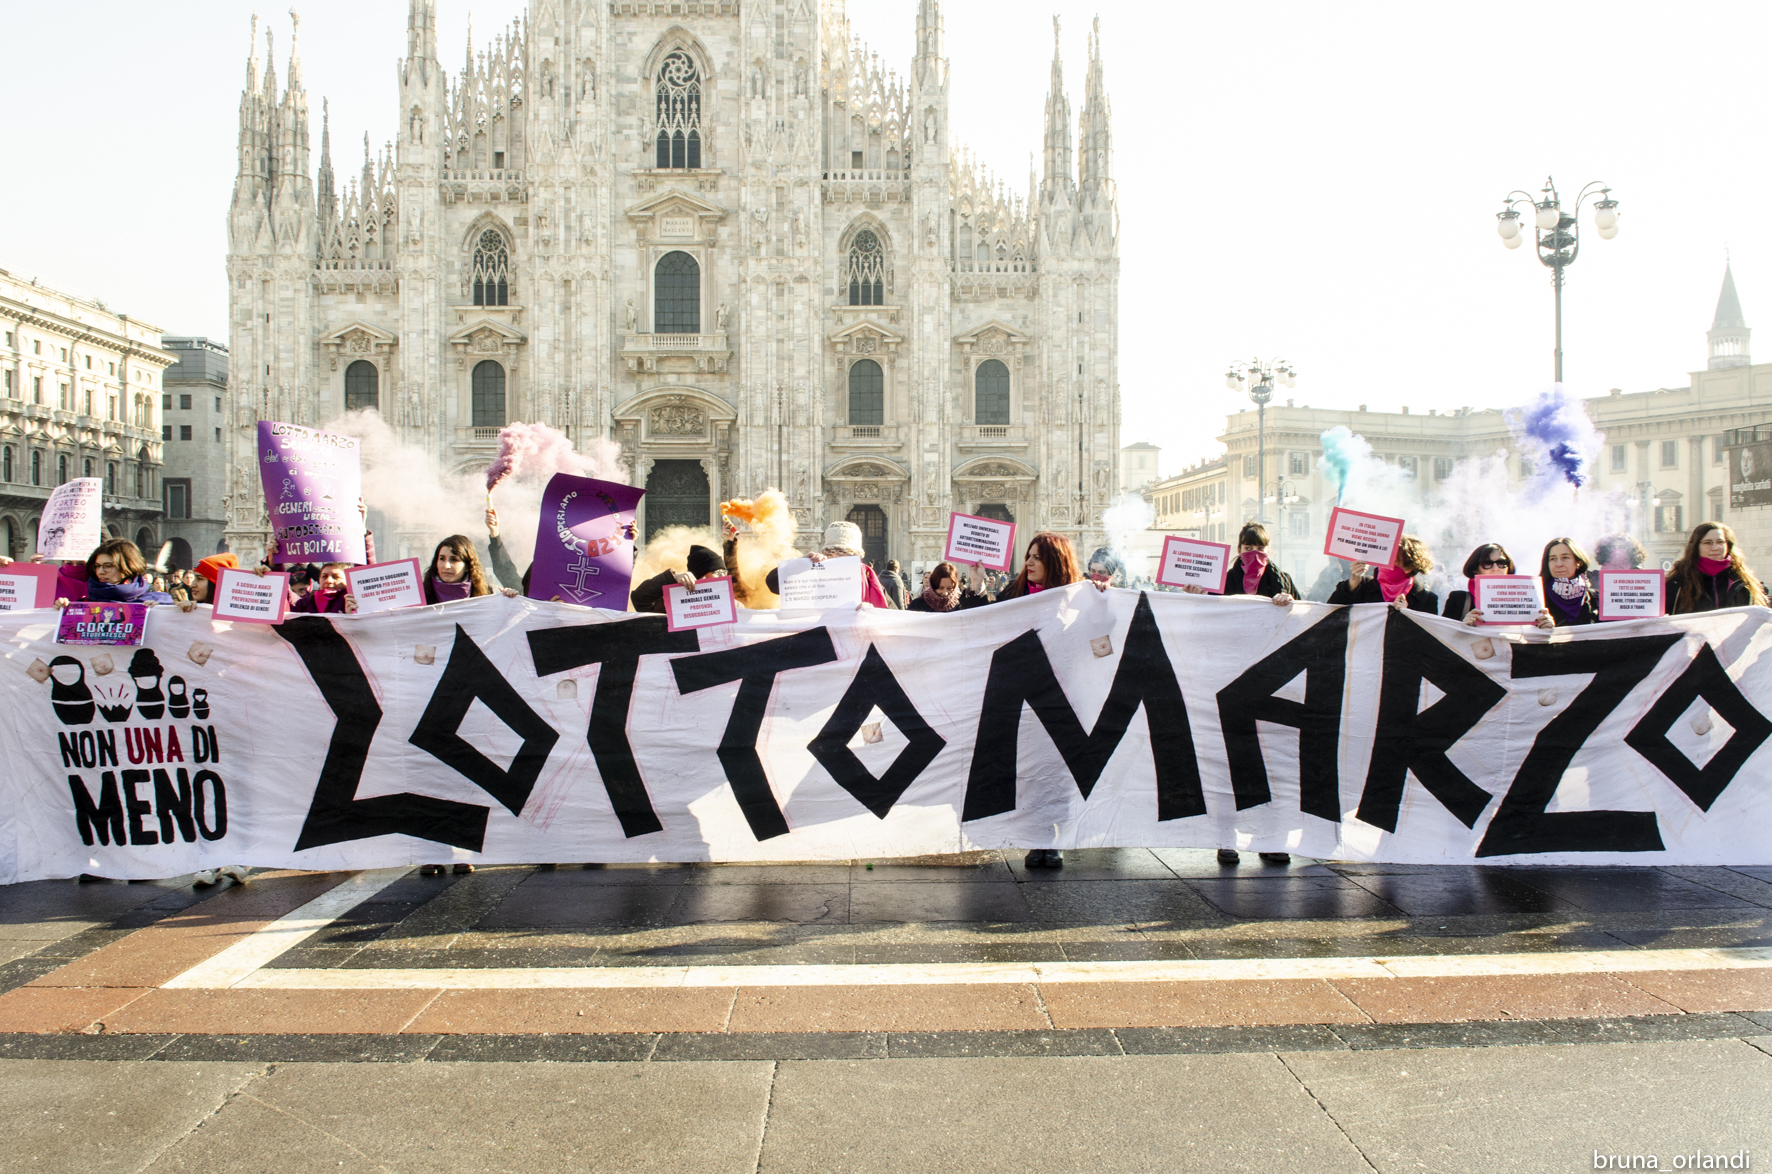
[717,232]
[1667,452]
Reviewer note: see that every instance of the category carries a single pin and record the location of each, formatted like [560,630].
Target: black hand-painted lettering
[618,648]
[1411,739]
[1521,824]
[138,808]
[336,815]
[174,804]
[105,818]
[1021,674]
[1320,653]
[755,667]
[874,685]
[467,677]
[1705,677]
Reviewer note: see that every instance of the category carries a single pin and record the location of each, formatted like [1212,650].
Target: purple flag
[584,546]
[313,481]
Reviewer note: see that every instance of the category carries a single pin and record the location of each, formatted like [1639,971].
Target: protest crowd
[1562,587]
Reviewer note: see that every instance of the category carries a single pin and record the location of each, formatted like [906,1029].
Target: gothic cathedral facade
[716,232]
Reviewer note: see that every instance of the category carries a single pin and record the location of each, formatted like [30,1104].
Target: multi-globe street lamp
[1258,378]
[1559,233]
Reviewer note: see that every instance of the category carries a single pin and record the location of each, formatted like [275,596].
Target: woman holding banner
[115,573]
[1049,562]
[1491,558]
[1569,596]
[943,592]
[1396,585]
[1253,574]
[1711,574]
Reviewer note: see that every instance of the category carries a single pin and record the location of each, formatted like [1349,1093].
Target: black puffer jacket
[1714,591]
[1273,581]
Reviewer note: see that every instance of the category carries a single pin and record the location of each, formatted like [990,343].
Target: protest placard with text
[386,586]
[313,483]
[706,605]
[1194,562]
[249,598]
[102,623]
[1632,595]
[1507,599]
[986,541]
[70,526]
[831,582]
[26,585]
[1363,538]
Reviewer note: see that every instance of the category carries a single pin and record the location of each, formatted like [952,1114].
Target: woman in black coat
[1711,574]
[1396,586]
[1253,574]
[1491,558]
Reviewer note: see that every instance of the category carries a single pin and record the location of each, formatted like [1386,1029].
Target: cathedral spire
[1058,126]
[1095,139]
[324,196]
[421,40]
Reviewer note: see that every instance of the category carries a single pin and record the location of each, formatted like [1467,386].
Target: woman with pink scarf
[1711,574]
[1396,585]
[944,592]
[1253,574]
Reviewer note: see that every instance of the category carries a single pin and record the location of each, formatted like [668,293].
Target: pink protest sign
[1632,595]
[313,482]
[1507,599]
[1194,562]
[102,623]
[386,586]
[26,585]
[249,598]
[986,541]
[1363,538]
[707,604]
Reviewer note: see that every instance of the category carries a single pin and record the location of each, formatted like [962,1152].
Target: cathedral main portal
[676,495]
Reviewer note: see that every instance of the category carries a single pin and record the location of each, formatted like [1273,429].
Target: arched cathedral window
[992,403]
[362,387]
[867,270]
[679,111]
[488,387]
[676,295]
[867,393]
[492,270]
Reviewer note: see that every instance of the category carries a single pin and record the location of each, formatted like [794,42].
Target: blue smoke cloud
[1555,428]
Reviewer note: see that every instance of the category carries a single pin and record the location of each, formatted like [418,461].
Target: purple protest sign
[313,482]
[584,548]
[102,623]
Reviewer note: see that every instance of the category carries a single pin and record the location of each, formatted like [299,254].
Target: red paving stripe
[151,956]
[523,1012]
[269,1012]
[1708,990]
[61,1009]
[1501,996]
[1230,1003]
[954,1007]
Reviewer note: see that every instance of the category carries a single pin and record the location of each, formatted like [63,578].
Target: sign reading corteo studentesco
[512,730]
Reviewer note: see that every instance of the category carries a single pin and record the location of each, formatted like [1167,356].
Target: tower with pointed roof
[1728,334]
[723,235]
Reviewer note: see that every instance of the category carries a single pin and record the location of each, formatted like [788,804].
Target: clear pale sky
[1305,180]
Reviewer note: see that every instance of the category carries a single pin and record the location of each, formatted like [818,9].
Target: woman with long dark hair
[1491,558]
[1711,574]
[1049,562]
[1397,586]
[1569,596]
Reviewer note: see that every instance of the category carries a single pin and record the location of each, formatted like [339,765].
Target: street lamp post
[1259,378]
[1559,233]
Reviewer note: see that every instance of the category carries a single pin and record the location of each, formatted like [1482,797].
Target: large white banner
[509,730]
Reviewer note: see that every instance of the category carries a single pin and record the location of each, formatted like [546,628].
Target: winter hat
[704,562]
[211,567]
[842,537]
